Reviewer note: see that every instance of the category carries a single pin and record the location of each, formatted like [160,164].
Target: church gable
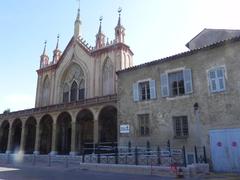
[80,66]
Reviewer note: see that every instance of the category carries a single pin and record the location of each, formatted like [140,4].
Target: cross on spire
[119,18]
[45,44]
[57,41]
[77,22]
[100,26]
[79,4]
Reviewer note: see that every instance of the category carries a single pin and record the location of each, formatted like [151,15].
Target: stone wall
[216,110]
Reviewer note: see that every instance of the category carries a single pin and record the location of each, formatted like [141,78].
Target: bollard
[49,160]
[184,156]
[83,158]
[136,155]
[98,155]
[204,155]
[8,158]
[196,155]
[116,155]
[148,148]
[34,160]
[129,147]
[159,155]
[66,162]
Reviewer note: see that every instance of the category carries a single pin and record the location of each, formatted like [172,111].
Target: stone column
[23,138]
[36,146]
[54,132]
[73,139]
[9,145]
[95,131]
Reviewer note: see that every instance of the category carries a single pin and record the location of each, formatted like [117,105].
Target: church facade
[89,95]
[76,102]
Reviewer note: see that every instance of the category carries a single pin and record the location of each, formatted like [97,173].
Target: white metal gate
[225,149]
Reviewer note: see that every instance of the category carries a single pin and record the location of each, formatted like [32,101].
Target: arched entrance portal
[64,133]
[108,125]
[30,134]
[16,135]
[4,130]
[45,134]
[84,131]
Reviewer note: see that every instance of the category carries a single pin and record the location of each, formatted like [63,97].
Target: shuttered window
[216,79]
[145,90]
[176,83]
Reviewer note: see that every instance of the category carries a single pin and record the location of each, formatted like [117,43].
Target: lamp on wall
[197,123]
[195,107]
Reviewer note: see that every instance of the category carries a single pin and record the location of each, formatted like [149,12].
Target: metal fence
[112,154]
[168,155]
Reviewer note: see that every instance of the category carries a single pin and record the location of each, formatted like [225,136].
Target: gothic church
[75,100]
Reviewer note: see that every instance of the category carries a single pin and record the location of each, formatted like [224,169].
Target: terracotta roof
[182,54]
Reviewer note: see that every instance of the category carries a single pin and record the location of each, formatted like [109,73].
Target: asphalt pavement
[20,172]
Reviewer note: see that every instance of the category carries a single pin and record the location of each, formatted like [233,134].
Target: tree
[6,111]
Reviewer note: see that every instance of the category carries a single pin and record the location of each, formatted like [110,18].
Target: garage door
[225,149]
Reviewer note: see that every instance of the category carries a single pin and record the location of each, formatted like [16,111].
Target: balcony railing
[64,106]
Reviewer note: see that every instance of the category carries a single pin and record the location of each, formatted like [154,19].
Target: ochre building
[188,99]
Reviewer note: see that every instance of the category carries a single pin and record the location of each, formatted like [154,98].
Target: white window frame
[170,88]
[137,90]
[146,95]
[146,125]
[216,79]
[182,136]
[185,81]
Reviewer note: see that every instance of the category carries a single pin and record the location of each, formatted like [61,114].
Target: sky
[154,29]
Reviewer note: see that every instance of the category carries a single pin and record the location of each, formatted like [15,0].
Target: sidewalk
[223,176]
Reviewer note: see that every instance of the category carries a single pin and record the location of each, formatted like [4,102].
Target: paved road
[13,172]
[52,173]
[36,173]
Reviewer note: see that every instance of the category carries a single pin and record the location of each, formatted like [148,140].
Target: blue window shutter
[135,92]
[212,80]
[152,85]
[164,85]
[187,75]
[221,79]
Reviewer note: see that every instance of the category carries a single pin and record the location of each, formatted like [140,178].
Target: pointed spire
[119,16]
[78,15]
[56,53]
[44,49]
[119,29]
[77,23]
[44,57]
[100,37]
[57,41]
[100,26]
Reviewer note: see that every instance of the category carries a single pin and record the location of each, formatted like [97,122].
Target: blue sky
[154,29]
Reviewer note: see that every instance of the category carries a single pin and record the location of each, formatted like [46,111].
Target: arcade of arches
[67,132]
